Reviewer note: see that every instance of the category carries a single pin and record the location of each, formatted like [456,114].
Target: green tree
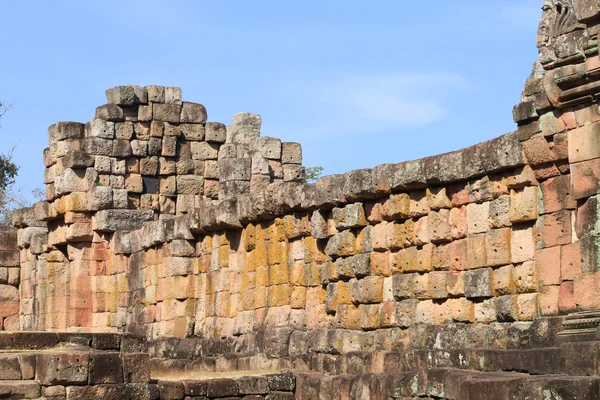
[313,173]
[8,173]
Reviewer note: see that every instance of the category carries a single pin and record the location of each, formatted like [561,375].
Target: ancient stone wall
[205,239]
[157,225]
[9,279]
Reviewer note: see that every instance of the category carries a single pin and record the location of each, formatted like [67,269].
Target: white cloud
[371,104]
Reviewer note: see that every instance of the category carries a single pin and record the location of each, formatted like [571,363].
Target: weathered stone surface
[116,220]
[63,369]
[192,112]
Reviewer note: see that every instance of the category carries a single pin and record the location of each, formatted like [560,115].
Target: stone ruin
[176,258]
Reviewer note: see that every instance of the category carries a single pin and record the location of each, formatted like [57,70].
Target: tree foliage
[8,170]
[8,173]
[313,173]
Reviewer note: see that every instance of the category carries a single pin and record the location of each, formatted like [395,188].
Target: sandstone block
[480,190]
[293,173]
[121,148]
[524,205]
[110,112]
[537,150]
[499,212]
[65,130]
[503,282]
[527,306]
[75,180]
[478,283]
[498,246]
[526,277]
[156,94]
[77,159]
[116,220]
[269,148]
[192,112]
[370,316]
[167,112]
[204,151]
[458,223]
[548,265]
[506,308]
[291,153]
[127,95]
[584,143]
[566,298]
[172,94]
[476,251]
[98,146]
[585,178]
[478,217]
[234,169]
[63,369]
[548,300]
[522,244]
[485,311]
[98,128]
[439,226]
[570,265]
[437,285]
[216,132]
[554,229]
[455,283]
[556,194]
[190,184]
[134,183]
[349,217]
[124,130]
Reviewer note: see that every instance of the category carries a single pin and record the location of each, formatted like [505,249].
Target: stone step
[569,359]
[447,384]
[255,384]
[17,366]
[47,340]
[20,389]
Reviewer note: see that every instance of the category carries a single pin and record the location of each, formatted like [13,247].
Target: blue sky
[356,83]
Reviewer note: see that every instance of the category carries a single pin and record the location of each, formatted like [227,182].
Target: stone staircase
[46,365]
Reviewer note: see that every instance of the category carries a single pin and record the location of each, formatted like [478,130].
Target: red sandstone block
[476,251]
[422,231]
[546,171]
[570,261]
[497,244]
[585,178]
[459,194]
[459,260]
[388,315]
[439,228]
[547,262]
[586,288]
[586,115]
[9,308]
[548,300]
[537,150]
[373,211]
[592,63]
[554,229]
[566,298]
[419,204]
[80,316]
[556,194]
[569,119]
[380,263]
[584,142]
[458,223]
